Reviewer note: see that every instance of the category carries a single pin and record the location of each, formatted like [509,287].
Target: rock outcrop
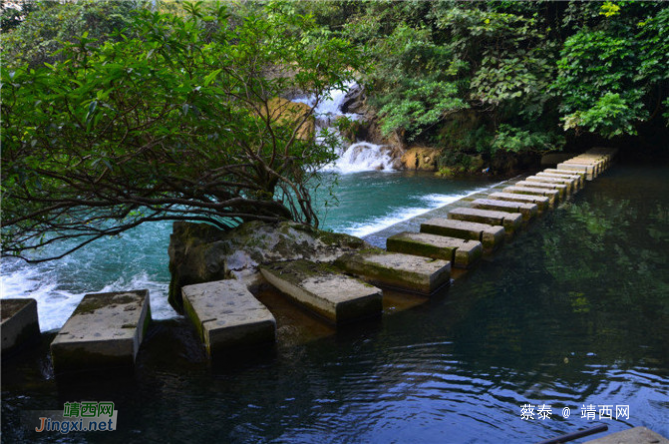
[202,253]
[421,158]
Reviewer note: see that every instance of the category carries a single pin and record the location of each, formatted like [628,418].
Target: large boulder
[202,253]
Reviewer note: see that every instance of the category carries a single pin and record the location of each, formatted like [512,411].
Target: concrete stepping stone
[569,184]
[461,253]
[510,221]
[587,169]
[528,210]
[562,188]
[552,195]
[579,177]
[20,324]
[542,202]
[105,330]
[227,316]
[403,271]
[325,290]
[574,182]
[490,236]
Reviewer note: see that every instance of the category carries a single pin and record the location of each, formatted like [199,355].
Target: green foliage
[516,140]
[174,117]
[611,72]
[535,73]
[48,24]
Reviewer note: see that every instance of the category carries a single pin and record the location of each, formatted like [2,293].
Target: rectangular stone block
[573,181]
[325,290]
[491,236]
[105,331]
[461,253]
[552,195]
[580,175]
[403,271]
[568,184]
[561,188]
[20,324]
[542,202]
[227,316]
[528,210]
[588,170]
[510,221]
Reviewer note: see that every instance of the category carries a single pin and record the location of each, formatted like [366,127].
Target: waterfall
[355,157]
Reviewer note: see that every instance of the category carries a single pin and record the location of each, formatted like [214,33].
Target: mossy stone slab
[396,270]
[526,209]
[491,236]
[227,316]
[461,253]
[510,221]
[325,290]
[105,331]
[20,324]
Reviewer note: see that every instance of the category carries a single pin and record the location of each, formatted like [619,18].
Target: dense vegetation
[519,77]
[118,113]
[168,117]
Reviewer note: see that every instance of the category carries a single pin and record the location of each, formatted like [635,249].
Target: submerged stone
[325,290]
[461,253]
[491,236]
[528,210]
[105,331]
[227,316]
[403,271]
[510,221]
[20,324]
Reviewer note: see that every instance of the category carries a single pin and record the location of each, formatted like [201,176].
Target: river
[574,313]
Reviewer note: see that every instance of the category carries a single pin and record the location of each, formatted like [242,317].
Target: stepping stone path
[510,221]
[527,210]
[226,316]
[325,290]
[491,236]
[395,270]
[461,253]
[107,329]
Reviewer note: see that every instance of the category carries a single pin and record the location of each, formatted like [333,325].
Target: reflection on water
[575,311]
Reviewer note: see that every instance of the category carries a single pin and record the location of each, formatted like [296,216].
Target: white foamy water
[360,157]
[55,304]
[432,201]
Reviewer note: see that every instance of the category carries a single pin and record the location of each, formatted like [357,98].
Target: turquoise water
[574,312]
[368,201]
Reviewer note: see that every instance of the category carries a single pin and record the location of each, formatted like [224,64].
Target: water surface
[574,312]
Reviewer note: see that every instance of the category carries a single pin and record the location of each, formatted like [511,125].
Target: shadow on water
[575,311]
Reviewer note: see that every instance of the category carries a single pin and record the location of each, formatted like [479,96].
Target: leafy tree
[39,29]
[173,118]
